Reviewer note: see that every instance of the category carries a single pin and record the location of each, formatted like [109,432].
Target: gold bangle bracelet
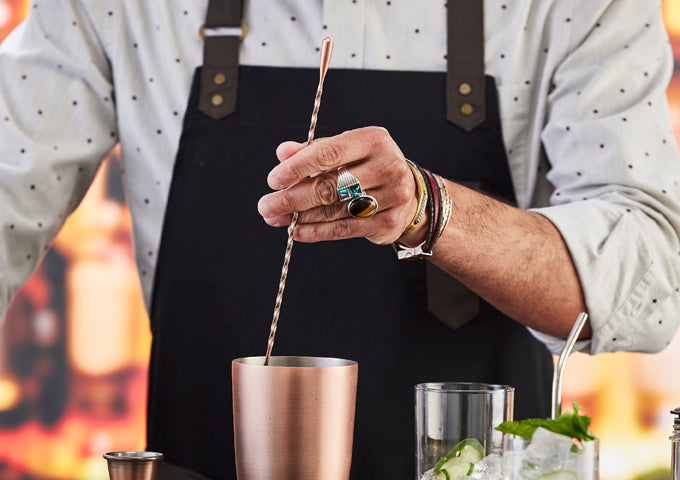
[422,198]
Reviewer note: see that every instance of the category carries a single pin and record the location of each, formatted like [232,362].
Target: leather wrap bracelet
[440,206]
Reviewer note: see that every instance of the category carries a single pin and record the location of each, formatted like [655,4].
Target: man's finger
[380,229]
[327,154]
[309,193]
[322,190]
[288,149]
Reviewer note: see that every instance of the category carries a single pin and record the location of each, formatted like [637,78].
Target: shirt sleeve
[57,121]
[616,172]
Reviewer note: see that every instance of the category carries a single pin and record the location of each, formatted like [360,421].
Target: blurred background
[75,345]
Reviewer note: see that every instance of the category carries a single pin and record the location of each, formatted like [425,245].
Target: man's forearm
[516,260]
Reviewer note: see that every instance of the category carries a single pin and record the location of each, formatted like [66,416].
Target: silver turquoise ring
[349,190]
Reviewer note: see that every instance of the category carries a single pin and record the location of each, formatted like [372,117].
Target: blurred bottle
[107,328]
[33,370]
[12,410]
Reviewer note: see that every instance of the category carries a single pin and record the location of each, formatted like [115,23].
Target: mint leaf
[523,429]
[569,424]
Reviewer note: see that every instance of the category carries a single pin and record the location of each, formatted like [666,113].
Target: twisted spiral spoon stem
[326,50]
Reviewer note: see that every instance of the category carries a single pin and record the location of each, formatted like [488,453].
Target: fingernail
[272,221]
[274,181]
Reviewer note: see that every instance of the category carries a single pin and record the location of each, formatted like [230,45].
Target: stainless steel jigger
[133,465]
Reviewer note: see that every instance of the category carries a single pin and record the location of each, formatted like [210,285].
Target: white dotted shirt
[582,104]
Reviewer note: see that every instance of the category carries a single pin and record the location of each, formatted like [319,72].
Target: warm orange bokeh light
[11,14]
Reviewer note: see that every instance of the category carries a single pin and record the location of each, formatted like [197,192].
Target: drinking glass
[294,419]
[447,413]
[548,453]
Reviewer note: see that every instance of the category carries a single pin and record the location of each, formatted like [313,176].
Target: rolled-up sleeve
[616,172]
[57,121]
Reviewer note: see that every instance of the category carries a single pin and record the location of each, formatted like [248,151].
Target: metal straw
[562,363]
[326,50]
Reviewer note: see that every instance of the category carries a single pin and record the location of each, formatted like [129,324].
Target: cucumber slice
[454,468]
[563,475]
[472,451]
[469,450]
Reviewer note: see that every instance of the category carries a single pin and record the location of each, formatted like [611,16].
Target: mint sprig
[569,424]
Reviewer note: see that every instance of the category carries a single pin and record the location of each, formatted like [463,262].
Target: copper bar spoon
[326,50]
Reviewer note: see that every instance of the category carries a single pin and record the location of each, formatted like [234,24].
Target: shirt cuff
[555,344]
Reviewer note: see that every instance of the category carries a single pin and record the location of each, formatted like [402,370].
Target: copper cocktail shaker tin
[294,419]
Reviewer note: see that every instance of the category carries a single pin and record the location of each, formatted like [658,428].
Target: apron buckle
[239,31]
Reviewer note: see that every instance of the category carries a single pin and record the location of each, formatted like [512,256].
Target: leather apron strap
[465,94]
[222,35]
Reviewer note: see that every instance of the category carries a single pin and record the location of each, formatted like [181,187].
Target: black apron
[219,267]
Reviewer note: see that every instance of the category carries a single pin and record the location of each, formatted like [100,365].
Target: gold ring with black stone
[363,206]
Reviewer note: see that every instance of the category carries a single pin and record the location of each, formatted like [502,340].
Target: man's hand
[514,259]
[306,181]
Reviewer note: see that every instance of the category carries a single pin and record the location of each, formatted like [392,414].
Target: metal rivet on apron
[219,78]
[464,88]
[217,100]
[466,109]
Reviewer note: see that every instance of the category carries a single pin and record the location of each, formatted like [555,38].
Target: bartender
[542,128]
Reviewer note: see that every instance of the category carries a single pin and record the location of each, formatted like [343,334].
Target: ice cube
[584,461]
[547,452]
[429,475]
[512,463]
[488,468]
